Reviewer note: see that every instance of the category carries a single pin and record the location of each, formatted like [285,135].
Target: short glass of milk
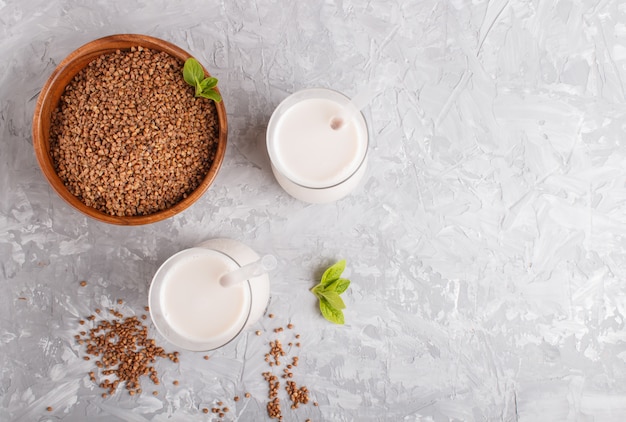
[312,160]
[189,306]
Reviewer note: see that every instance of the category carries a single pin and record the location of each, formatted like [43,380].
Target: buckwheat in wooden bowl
[120,135]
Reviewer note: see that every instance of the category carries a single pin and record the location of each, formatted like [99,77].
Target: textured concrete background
[486,245]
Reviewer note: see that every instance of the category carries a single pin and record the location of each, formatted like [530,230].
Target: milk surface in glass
[311,160]
[196,311]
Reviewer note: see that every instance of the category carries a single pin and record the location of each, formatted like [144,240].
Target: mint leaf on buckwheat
[193,74]
[208,83]
[328,290]
[211,94]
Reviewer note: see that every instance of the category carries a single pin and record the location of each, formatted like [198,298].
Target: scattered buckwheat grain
[124,353]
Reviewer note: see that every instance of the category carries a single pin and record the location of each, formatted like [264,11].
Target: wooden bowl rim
[41,142]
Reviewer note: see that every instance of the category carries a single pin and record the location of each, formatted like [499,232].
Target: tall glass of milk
[189,306]
[312,159]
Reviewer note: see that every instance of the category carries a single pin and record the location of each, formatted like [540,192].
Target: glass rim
[279,111]
[188,344]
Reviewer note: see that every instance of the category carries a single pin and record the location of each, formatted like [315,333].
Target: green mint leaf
[333,272]
[211,94]
[328,290]
[317,290]
[330,313]
[334,300]
[208,83]
[193,72]
[338,286]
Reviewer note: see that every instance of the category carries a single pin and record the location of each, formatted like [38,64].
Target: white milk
[312,161]
[243,254]
[191,308]
[194,302]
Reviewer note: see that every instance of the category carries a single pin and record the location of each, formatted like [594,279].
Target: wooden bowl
[49,99]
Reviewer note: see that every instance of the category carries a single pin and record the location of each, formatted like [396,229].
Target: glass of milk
[189,306]
[311,159]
